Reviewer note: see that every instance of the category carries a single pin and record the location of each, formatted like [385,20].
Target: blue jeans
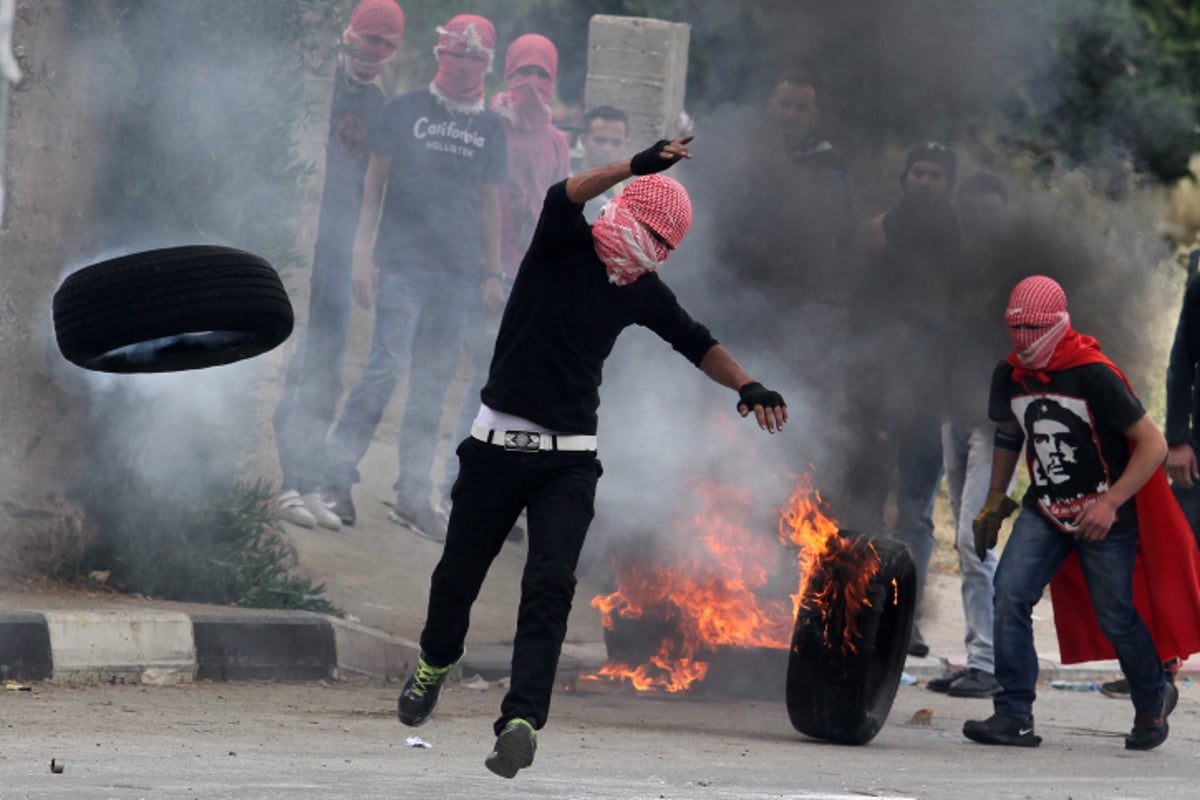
[967,453]
[313,384]
[1034,552]
[419,321]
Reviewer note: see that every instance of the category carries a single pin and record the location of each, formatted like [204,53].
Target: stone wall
[638,65]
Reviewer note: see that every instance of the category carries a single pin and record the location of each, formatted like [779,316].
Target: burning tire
[841,680]
[172,309]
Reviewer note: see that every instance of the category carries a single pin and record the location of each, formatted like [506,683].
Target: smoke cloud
[819,329]
[840,336]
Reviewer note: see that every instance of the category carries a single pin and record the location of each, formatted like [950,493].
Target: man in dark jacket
[1183,405]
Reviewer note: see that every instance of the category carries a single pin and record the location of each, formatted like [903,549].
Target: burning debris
[671,619]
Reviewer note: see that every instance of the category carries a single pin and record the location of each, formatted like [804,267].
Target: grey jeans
[967,453]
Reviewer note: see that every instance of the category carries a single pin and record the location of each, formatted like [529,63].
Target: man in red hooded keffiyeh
[538,157]
[1098,524]
[533,444]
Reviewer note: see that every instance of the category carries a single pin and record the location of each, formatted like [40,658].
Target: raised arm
[595,181]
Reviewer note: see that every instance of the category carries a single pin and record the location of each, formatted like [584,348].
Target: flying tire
[171,309]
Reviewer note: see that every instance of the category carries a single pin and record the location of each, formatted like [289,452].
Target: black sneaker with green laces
[514,748]
[1002,729]
[420,694]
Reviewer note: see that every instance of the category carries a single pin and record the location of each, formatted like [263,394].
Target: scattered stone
[922,716]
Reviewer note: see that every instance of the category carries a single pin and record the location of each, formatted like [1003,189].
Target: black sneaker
[514,749]
[943,684]
[1002,729]
[1150,728]
[1120,690]
[337,499]
[976,683]
[916,644]
[420,694]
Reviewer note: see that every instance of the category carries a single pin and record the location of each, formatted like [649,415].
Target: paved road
[252,741]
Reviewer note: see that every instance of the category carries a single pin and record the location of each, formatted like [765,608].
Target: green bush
[221,547]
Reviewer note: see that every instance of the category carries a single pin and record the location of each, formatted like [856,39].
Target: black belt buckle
[523,441]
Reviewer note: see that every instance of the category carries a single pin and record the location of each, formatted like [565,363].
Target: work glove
[755,394]
[986,526]
[649,161]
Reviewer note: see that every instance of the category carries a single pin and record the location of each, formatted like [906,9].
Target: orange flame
[709,599]
[835,572]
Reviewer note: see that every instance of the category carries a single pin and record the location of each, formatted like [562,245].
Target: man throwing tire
[533,444]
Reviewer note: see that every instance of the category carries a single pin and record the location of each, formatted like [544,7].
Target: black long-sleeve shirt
[563,318]
[1183,399]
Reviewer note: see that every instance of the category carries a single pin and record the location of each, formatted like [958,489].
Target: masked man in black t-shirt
[1098,499]
[533,444]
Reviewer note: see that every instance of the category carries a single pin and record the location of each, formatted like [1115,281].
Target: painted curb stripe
[120,645]
[25,653]
[286,646]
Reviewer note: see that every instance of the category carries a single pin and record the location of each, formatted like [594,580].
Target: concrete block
[638,65]
[264,645]
[119,645]
[25,653]
[366,651]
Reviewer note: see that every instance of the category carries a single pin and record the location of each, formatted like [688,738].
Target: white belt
[532,441]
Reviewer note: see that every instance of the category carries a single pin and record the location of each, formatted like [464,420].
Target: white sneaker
[320,512]
[292,509]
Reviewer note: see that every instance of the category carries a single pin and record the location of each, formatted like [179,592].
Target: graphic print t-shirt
[1075,448]
[441,161]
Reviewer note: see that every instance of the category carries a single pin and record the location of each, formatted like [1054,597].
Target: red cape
[1166,577]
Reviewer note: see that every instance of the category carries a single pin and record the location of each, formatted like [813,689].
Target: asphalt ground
[270,740]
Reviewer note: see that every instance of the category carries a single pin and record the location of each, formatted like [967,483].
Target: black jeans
[558,492]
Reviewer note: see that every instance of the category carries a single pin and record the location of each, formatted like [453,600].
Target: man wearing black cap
[911,249]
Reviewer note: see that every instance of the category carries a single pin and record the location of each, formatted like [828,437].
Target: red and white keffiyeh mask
[526,104]
[625,233]
[375,31]
[1037,320]
[464,52]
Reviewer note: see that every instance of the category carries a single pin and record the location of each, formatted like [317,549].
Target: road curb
[168,647]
